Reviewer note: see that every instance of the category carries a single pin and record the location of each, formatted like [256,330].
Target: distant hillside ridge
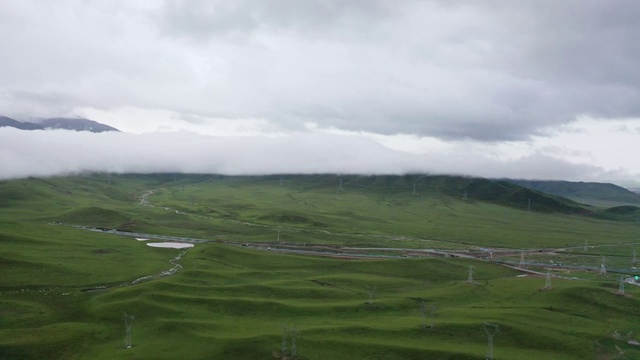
[57,123]
[461,187]
[587,192]
[9,122]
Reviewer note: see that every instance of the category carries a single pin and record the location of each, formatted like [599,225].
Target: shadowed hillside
[585,192]
[466,188]
[364,267]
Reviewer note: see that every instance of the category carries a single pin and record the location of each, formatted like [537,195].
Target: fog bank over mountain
[60,152]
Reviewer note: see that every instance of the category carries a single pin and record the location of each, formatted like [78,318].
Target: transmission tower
[603,268]
[414,189]
[371,290]
[432,312]
[283,348]
[621,288]
[294,348]
[281,181]
[470,277]
[278,235]
[491,330]
[128,323]
[586,243]
[465,195]
[431,309]
[521,265]
[529,206]
[547,284]
[634,259]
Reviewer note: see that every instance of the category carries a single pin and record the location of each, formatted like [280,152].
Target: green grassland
[63,289]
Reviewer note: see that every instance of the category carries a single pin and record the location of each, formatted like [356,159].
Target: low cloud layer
[61,152]
[495,70]
[495,88]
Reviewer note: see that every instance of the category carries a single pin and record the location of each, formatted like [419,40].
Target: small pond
[174,245]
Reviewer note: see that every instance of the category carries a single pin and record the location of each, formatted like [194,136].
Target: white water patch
[142,239]
[174,245]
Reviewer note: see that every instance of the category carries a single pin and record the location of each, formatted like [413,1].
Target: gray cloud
[59,152]
[490,70]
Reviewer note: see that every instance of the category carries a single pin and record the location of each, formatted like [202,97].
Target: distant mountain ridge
[58,123]
[587,192]
[468,188]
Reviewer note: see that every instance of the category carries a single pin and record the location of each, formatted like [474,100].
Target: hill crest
[598,194]
[57,123]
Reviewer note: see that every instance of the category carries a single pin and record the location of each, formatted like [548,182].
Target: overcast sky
[529,89]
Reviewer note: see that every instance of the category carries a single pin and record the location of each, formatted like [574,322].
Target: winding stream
[166,273]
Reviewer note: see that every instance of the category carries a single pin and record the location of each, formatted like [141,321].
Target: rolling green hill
[64,289]
[598,194]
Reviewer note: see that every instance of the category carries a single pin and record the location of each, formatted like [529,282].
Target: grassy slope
[303,208]
[231,302]
[598,194]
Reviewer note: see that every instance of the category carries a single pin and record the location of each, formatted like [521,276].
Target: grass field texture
[63,289]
